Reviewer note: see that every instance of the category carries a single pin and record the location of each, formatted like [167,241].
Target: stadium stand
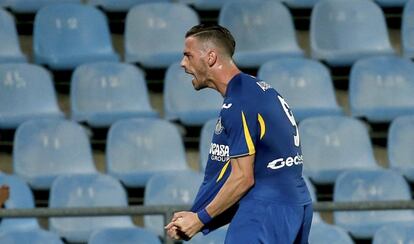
[10,45]
[44,149]
[394,233]
[26,92]
[31,6]
[104,92]
[322,233]
[120,5]
[132,235]
[67,35]
[407,30]
[37,236]
[215,237]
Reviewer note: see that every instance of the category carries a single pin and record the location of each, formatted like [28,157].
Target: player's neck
[223,75]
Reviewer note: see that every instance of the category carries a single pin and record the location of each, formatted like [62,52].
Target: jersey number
[289,114]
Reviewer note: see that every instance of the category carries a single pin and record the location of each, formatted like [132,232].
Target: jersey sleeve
[241,125]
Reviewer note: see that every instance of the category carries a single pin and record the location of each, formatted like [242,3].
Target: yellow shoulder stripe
[262,126]
[247,136]
[223,170]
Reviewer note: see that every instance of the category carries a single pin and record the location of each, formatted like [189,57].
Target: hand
[173,232]
[4,194]
[187,222]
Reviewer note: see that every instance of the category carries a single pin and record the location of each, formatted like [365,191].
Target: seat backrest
[183,102]
[322,233]
[26,91]
[345,27]
[44,149]
[37,236]
[259,26]
[108,88]
[170,188]
[70,30]
[400,141]
[407,30]
[216,237]
[332,144]
[32,6]
[141,146]
[302,82]
[206,137]
[20,197]
[121,5]
[381,88]
[370,185]
[149,26]
[83,190]
[10,45]
[300,3]
[391,3]
[394,233]
[134,235]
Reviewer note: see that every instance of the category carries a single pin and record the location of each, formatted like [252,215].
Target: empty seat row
[67,35]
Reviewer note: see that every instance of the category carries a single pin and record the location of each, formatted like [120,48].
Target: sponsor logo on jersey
[286,162]
[226,105]
[219,127]
[219,152]
[263,85]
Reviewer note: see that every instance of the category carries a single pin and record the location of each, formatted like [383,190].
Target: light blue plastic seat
[391,3]
[95,190]
[104,92]
[400,142]
[322,233]
[300,3]
[132,235]
[333,144]
[262,30]
[44,149]
[67,35]
[183,103]
[10,45]
[37,236]
[173,188]
[32,6]
[370,185]
[206,136]
[139,148]
[316,216]
[381,88]
[215,4]
[395,233]
[215,237]
[20,197]
[305,84]
[121,5]
[342,32]
[407,30]
[154,33]
[26,92]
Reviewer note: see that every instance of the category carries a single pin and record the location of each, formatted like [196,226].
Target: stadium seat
[169,188]
[322,233]
[263,31]
[20,197]
[370,185]
[206,135]
[407,30]
[26,92]
[316,216]
[104,92]
[84,190]
[300,3]
[183,103]
[342,32]
[37,236]
[333,144]
[400,142]
[215,237]
[391,3]
[121,5]
[303,83]
[67,35]
[381,88]
[133,235]
[395,233]
[149,27]
[10,46]
[32,6]
[44,149]
[138,148]
[214,5]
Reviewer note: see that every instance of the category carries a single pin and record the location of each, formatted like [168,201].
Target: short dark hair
[216,33]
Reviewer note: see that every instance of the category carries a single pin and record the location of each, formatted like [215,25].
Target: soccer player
[253,178]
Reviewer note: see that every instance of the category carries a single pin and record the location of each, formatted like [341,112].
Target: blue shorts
[265,222]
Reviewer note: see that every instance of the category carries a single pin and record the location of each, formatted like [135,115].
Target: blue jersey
[255,119]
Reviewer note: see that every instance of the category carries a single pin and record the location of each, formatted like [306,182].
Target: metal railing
[168,210]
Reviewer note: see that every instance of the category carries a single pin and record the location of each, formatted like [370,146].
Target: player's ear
[212,58]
